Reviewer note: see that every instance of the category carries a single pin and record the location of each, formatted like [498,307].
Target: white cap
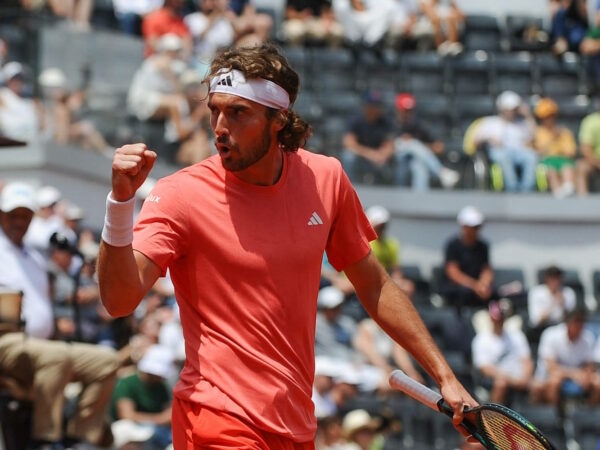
[157,360]
[359,419]
[470,216]
[48,196]
[378,215]
[52,77]
[330,297]
[74,212]
[169,42]
[11,70]
[18,195]
[125,431]
[508,100]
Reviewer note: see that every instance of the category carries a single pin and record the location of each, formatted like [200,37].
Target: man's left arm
[395,313]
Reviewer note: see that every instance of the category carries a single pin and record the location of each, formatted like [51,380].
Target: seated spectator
[47,220]
[565,365]
[469,274]
[39,367]
[188,124]
[410,28]
[361,431]
[368,153]
[416,147]
[333,339]
[211,29]
[447,20]
[130,14]
[329,435]
[311,22]
[569,25]
[548,302]
[502,356]
[77,13]
[64,110]
[365,23]
[379,350]
[154,90]
[509,136]
[20,115]
[251,26]
[168,19]
[588,164]
[556,147]
[144,397]
[387,248]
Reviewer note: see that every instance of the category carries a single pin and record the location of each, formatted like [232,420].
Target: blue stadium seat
[514,71]
[471,73]
[482,32]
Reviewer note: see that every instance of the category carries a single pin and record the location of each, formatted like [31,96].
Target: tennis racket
[495,426]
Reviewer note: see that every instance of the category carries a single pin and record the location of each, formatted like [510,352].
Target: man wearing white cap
[39,366]
[243,234]
[509,135]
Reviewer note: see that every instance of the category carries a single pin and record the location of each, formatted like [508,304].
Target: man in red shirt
[242,234]
[168,19]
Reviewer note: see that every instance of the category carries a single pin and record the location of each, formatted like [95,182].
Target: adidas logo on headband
[258,90]
[226,81]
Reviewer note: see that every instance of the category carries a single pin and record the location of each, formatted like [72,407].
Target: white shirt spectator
[139,7]
[540,300]
[25,269]
[19,118]
[209,35]
[506,352]
[514,135]
[555,344]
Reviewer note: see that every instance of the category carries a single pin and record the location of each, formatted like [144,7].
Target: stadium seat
[525,32]
[482,32]
[572,110]
[422,296]
[514,71]
[435,113]
[471,73]
[559,77]
[424,72]
[469,108]
[328,64]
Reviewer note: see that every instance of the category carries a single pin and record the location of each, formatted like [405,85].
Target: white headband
[258,90]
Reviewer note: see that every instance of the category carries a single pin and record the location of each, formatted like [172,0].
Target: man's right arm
[125,276]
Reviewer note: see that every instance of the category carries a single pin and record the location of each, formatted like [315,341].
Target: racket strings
[507,434]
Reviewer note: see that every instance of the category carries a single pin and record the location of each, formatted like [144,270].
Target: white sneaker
[568,189]
[448,177]
[455,48]
[444,48]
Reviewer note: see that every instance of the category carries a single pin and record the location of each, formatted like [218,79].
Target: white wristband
[118,222]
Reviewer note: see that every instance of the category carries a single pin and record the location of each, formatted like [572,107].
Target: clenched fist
[131,165]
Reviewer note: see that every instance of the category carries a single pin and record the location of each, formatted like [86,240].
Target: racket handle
[402,382]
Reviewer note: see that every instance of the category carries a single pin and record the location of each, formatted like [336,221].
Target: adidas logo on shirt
[314,220]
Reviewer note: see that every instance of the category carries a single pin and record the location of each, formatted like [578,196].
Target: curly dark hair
[267,62]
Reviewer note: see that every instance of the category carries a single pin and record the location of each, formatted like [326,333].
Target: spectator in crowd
[416,147]
[211,29]
[168,19]
[569,25]
[326,370]
[556,147]
[20,115]
[154,90]
[187,127]
[251,26]
[64,110]
[47,220]
[502,356]
[565,366]
[469,274]
[387,248]
[38,365]
[330,435]
[447,20]
[77,13]
[379,350]
[144,397]
[309,22]
[368,154]
[365,22]
[548,302]
[588,164]
[410,28]
[509,135]
[361,431]
[130,14]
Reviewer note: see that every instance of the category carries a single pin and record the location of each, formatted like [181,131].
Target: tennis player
[243,234]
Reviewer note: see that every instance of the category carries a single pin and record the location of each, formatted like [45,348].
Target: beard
[239,160]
